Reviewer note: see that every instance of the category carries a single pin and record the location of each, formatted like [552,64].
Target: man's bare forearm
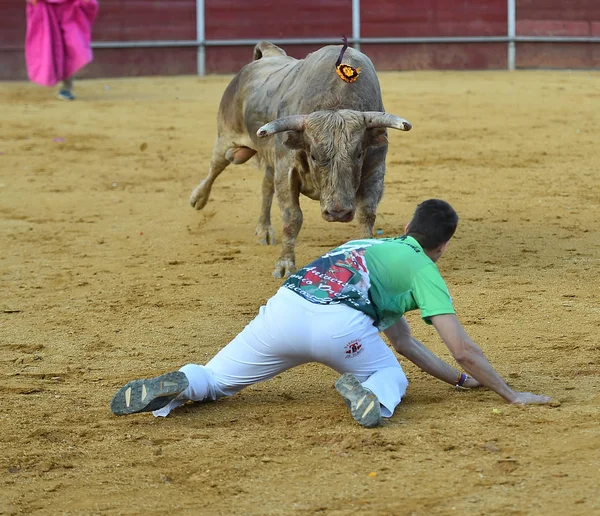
[469,355]
[477,365]
[427,361]
[411,348]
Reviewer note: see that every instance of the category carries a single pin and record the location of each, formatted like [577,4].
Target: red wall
[12,38]
[234,19]
[144,20]
[130,20]
[558,18]
[426,18]
[418,18]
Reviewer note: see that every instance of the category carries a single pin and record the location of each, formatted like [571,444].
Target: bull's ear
[294,140]
[377,137]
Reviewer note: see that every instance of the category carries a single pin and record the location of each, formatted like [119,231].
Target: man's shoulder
[405,249]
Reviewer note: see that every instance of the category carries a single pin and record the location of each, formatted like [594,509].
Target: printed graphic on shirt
[340,276]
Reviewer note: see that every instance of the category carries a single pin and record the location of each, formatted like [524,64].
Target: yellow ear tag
[346,72]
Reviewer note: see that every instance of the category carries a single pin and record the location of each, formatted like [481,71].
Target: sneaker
[66,95]
[363,404]
[148,395]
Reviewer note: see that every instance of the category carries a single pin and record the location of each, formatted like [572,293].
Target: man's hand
[528,398]
[473,361]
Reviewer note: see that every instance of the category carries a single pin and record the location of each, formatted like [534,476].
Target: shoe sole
[148,395]
[363,404]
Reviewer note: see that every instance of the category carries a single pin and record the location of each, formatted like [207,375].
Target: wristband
[461,380]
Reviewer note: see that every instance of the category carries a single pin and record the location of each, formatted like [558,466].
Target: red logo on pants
[353,348]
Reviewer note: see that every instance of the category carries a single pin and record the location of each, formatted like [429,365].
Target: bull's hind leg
[264,229]
[224,153]
[218,163]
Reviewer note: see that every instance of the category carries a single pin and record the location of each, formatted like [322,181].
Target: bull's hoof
[284,269]
[199,196]
[265,234]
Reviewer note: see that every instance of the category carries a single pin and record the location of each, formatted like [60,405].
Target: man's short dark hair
[433,223]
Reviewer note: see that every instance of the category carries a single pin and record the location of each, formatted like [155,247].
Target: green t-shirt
[384,278]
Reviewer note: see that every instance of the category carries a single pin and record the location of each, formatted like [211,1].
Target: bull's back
[250,94]
[275,85]
[317,86]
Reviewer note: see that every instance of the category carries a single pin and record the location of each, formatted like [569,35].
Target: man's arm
[471,358]
[405,344]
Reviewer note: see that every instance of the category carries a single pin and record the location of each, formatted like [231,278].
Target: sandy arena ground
[107,274]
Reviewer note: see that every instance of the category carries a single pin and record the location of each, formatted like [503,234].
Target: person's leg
[66,90]
[148,394]
[76,20]
[267,346]
[374,398]
[389,384]
[248,359]
[349,343]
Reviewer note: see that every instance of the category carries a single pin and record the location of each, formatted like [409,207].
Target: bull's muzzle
[341,215]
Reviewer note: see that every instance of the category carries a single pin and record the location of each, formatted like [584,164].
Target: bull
[314,131]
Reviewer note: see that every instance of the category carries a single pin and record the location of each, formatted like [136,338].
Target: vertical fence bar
[200,39]
[511,32]
[356,23]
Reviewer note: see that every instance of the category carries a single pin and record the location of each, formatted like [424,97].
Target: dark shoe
[363,404]
[65,95]
[148,395]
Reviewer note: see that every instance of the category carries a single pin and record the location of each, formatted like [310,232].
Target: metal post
[356,23]
[511,32]
[201,51]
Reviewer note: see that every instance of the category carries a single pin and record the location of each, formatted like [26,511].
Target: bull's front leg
[287,189]
[368,197]
[264,229]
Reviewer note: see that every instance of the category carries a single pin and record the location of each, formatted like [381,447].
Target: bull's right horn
[376,119]
[285,123]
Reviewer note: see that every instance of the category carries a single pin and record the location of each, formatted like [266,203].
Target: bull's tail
[267,49]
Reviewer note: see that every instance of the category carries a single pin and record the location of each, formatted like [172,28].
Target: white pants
[290,331]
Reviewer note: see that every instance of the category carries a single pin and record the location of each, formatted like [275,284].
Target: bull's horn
[376,119]
[286,123]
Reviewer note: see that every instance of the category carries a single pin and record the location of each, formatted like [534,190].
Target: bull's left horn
[286,123]
[376,119]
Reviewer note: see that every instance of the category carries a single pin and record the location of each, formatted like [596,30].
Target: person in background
[58,41]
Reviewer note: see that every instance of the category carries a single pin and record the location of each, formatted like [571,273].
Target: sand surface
[107,274]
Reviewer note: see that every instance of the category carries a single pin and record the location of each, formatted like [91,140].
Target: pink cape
[58,41]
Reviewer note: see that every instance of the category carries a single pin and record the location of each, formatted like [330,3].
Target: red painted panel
[553,28]
[130,20]
[565,10]
[12,65]
[421,18]
[272,19]
[455,56]
[232,59]
[141,61]
[558,55]
[12,24]
[12,40]
[558,18]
